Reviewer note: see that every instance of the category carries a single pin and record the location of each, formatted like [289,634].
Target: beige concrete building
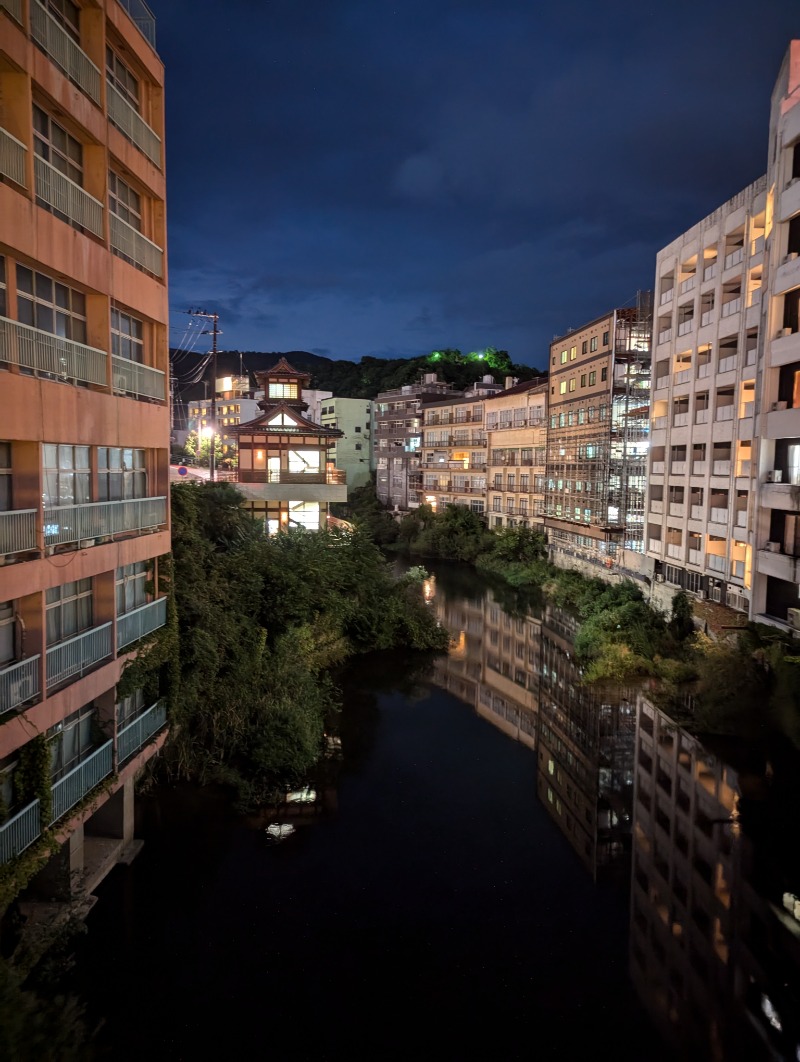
[516,443]
[84,432]
[352,450]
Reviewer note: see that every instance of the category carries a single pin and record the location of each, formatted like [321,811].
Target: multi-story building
[234,404]
[598,436]
[397,440]
[84,517]
[516,443]
[284,472]
[703,426]
[776,526]
[352,450]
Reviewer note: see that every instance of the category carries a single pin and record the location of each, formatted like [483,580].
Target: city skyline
[358,179]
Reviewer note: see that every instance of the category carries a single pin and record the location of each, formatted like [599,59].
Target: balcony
[710,271]
[133,378]
[734,258]
[76,656]
[718,516]
[687,285]
[131,123]
[657,468]
[680,420]
[778,565]
[675,551]
[43,352]
[65,53]
[654,545]
[656,506]
[13,7]
[73,787]
[19,683]
[699,468]
[706,317]
[665,335]
[701,416]
[68,198]
[20,831]
[85,523]
[136,734]
[143,18]
[677,509]
[141,621]
[716,563]
[731,306]
[703,369]
[682,376]
[685,326]
[721,468]
[677,468]
[724,413]
[12,158]
[17,531]
[132,245]
[666,296]
[696,512]
[695,556]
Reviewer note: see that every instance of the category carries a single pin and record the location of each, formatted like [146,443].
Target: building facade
[597,436]
[516,445]
[352,450]
[84,432]
[235,403]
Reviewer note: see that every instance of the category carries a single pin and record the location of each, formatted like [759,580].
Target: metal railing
[13,7]
[12,157]
[133,378]
[130,243]
[20,831]
[78,523]
[130,122]
[19,682]
[72,658]
[131,737]
[67,197]
[64,52]
[74,786]
[133,625]
[17,531]
[30,348]
[143,18]
[257,475]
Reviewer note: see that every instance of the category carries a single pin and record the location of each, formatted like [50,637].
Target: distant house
[284,471]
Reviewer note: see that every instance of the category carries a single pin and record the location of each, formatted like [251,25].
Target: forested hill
[369,376]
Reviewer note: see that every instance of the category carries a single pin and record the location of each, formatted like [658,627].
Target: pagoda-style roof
[281,370]
[281,418]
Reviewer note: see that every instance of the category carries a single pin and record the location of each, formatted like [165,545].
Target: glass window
[50,306]
[2,288]
[572,384]
[282,390]
[122,78]
[66,474]
[71,741]
[127,336]
[562,387]
[5,477]
[573,353]
[592,379]
[124,201]
[68,610]
[584,347]
[606,338]
[563,357]
[130,587]
[604,373]
[121,473]
[66,15]
[593,343]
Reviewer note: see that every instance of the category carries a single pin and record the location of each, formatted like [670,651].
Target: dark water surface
[431,907]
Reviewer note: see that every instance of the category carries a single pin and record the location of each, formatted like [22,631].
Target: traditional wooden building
[284,472]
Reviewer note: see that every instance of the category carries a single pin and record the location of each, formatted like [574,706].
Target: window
[604,373]
[53,144]
[5,477]
[592,379]
[66,474]
[572,384]
[357,428]
[282,390]
[123,80]
[6,632]
[127,336]
[46,304]
[2,286]
[583,379]
[593,343]
[130,707]
[563,357]
[562,387]
[68,610]
[124,201]
[584,347]
[66,15]
[605,338]
[71,741]
[130,587]
[553,420]
[121,473]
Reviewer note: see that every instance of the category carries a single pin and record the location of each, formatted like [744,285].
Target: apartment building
[352,450]
[776,525]
[397,440]
[84,432]
[597,440]
[516,443]
[284,471]
[704,430]
[234,404]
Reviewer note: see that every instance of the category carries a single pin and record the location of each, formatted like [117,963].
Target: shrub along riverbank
[747,684]
[255,626]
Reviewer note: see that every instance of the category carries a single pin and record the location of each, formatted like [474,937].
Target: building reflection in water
[715,897]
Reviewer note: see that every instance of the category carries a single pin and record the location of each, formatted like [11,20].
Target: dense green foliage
[259,621]
[364,510]
[37,1029]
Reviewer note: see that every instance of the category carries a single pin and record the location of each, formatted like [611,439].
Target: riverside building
[516,440]
[84,433]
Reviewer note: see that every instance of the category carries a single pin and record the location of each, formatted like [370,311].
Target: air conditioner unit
[659,578]
[702,595]
[773,547]
[793,618]
[774,475]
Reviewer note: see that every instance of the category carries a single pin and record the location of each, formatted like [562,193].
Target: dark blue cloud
[367,177]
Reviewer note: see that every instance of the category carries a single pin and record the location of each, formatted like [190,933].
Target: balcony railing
[64,52]
[12,157]
[136,734]
[131,123]
[718,516]
[74,657]
[731,306]
[130,243]
[687,285]
[78,523]
[133,625]
[67,197]
[20,831]
[13,7]
[30,348]
[715,563]
[721,468]
[73,787]
[143,18]
[19,683]
[701,416]
[695,556]
[724,413]
[257,475]
[666,296]
[734,258]
[132,378]
[17,531]
[665,335]
[710,271]
[696,512]
[685,326]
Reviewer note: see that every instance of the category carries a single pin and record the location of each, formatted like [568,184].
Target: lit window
[592,379]
[572,384]
[593,343]
[562,387]
[563,357]
[573,353]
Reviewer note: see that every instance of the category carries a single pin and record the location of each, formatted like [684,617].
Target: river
[460,889]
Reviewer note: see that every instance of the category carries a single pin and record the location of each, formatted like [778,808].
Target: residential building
[284,472]
[776,526]
[84,432]
[398,437]
[703,428]
[516,445]
[597,440]
[234,404]
[352,450]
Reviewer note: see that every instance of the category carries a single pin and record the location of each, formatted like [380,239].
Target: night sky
[359,177]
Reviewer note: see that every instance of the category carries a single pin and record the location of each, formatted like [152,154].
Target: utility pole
[213,332]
